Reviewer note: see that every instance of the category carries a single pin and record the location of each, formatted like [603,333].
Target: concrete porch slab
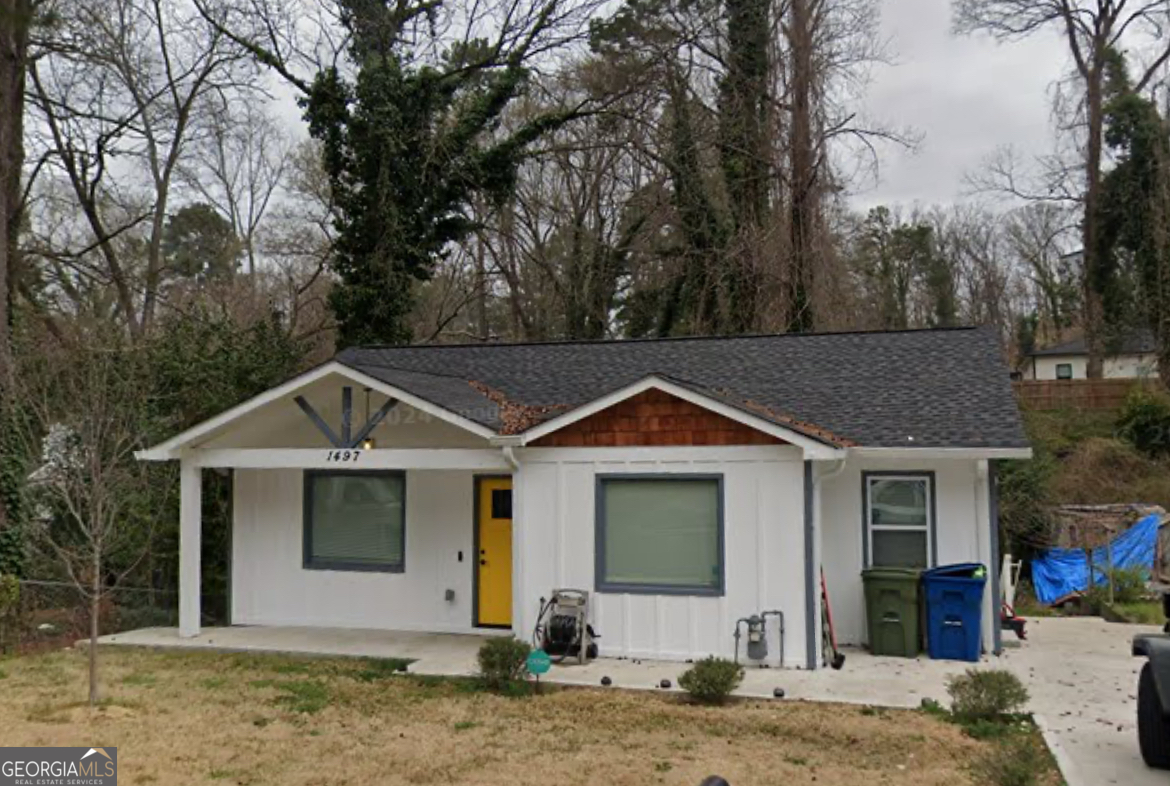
[891,682]
[445,654]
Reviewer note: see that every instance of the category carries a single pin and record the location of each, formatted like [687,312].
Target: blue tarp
[1061,572]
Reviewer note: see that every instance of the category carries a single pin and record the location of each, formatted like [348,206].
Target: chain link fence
[54,614]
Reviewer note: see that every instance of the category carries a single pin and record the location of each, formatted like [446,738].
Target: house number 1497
[342,455]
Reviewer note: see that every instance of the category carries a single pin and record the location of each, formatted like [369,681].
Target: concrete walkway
[1079,672]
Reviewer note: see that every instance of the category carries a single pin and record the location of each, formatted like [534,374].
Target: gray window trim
[308,562]
[599,582]
[926,475]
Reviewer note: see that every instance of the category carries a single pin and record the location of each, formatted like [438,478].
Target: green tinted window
[660,534]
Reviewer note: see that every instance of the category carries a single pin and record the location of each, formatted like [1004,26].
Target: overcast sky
[966,95]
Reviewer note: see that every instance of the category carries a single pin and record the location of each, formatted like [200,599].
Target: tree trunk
[802,159]
[95,606]
[15,20]
[481,293]
[1094,272]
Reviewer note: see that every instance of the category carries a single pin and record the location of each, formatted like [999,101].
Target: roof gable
[209,428]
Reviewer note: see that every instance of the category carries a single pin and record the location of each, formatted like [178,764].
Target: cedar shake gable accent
[654,417]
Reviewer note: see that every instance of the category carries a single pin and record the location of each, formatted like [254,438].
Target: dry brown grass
[180,718]
[1100,471]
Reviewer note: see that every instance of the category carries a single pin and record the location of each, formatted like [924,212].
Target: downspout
[507,446]
[996,549]
[812,571]
[509,452]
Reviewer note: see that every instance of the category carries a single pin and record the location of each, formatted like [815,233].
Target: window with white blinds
[355,521]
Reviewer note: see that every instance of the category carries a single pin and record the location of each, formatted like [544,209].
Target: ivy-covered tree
[1133,215]
[412,129]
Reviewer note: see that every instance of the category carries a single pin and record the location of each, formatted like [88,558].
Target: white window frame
[867,479]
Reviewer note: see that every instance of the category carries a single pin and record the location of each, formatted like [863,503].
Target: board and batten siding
[270,586]
[763,558]
[962,531]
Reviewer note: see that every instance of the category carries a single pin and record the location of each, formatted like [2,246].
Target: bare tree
[1092,29]
[88,481]
[1041,236]
[238,166]
[117,87]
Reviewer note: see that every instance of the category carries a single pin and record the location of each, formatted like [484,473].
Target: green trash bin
[891,607]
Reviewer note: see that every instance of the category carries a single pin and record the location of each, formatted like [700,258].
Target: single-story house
[1134,355]
[686,483]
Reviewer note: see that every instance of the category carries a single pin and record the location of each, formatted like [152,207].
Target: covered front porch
[354,505]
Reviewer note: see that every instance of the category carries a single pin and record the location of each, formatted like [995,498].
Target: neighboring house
[1135,356]
[687,483]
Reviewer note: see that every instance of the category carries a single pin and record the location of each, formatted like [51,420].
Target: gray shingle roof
[942,388]
[1137,342]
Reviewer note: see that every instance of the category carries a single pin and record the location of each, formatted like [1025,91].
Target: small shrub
[1144,421]
[1014,762]
[983,729]
[989,695]
[711,680]
[1129,585]
[501,662]
[933,708]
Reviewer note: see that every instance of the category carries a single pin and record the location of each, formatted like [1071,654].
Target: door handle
[483,562]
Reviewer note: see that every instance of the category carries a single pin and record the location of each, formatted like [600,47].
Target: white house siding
[1117,367]
[271,587]
[962,532]
[764,548]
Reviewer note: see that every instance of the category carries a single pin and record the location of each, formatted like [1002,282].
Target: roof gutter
[942,453]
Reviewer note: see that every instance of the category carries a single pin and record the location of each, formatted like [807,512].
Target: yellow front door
[494,566]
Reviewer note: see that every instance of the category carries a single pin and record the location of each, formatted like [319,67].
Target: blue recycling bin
[954,611]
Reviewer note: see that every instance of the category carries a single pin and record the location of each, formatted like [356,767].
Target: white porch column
[190,536]
[521,627]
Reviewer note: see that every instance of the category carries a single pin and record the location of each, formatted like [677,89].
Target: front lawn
[181,718]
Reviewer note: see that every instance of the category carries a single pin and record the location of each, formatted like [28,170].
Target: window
[899,520]
[1064,371]
[501,503]
[660,534]
[355,520]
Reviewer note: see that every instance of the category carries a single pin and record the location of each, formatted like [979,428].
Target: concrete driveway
[1083,683]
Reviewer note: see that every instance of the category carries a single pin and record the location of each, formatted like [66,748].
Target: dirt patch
[191,717]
